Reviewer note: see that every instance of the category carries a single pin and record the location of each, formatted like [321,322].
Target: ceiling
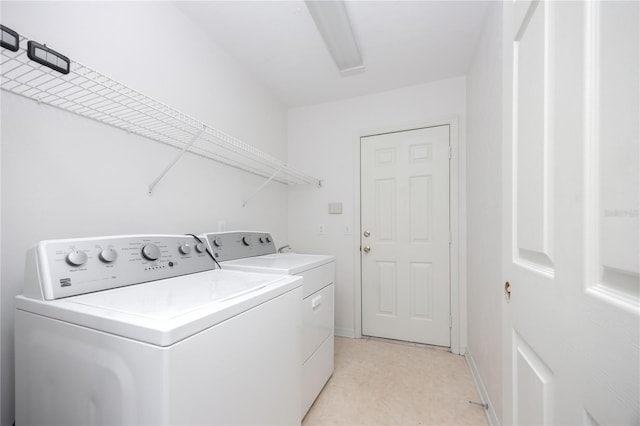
[403,43]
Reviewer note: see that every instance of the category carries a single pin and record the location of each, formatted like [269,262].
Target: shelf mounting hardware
[175,160]
[265,183]
[43,55]
[9,39]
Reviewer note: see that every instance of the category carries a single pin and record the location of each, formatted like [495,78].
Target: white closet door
[405,235]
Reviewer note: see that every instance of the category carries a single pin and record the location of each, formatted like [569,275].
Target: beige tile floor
[379,382]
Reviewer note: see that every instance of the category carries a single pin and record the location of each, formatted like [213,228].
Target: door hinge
[450,237]
[450,321]
[450,153]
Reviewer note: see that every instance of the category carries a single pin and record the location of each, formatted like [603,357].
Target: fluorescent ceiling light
[333,23]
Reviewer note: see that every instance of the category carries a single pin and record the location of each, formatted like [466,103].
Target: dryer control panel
[62,268]
[239,244]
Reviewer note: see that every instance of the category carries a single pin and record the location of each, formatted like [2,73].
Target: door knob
[366,249]
[507,291]
[366,233]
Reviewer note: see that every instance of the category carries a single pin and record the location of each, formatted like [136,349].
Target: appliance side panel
[72,375]
[252,357]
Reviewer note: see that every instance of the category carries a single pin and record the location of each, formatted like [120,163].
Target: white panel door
[405,235]
[571,243]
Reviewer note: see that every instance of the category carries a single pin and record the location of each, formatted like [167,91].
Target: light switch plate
[335,208]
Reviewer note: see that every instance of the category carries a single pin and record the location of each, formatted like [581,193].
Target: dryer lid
[285,263]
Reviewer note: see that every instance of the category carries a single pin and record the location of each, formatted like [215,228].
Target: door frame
[457,209]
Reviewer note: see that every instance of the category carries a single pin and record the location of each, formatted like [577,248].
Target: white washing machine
[142,330]
[256,252]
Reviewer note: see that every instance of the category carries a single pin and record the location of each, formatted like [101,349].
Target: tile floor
[378,382]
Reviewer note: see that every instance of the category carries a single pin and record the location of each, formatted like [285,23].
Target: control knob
[200,248]
[268,239]
[108,255]
[246,241]
[151,252]
[216,242]
[76,258]
[185,249]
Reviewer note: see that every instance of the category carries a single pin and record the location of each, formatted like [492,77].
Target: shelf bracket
[175,160]
[265,183]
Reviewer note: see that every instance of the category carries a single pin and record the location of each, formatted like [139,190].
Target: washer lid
[285,263]
[166,311]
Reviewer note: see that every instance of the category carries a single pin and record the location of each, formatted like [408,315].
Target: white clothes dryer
[142,330]
[256,252]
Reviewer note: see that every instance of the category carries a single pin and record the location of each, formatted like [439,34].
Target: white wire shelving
[93,95]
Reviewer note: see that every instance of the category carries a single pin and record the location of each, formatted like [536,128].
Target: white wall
[2,356]
[321,142]
[66,176]
[484,207]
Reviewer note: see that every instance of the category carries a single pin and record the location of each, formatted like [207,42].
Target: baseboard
[344,332]
[482,391]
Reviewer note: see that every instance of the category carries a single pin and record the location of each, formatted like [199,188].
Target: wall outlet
[222,226]
[321,229]
[347,229]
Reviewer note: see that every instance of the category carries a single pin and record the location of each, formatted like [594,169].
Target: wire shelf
[88,93]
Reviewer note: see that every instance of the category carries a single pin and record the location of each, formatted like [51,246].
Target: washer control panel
[239,244]
[62,268]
